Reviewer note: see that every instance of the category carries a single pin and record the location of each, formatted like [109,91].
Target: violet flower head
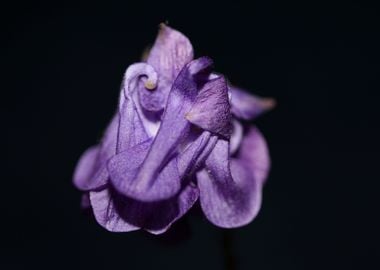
[180,134]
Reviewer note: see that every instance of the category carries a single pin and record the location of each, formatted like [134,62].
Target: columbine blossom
[179,135]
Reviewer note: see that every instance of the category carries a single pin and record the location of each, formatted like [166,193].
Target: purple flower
[177,137]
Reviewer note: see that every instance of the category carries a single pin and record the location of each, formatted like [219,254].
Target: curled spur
[180,134]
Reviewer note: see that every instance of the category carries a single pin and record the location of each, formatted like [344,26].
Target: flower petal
[247,106]
[211,110]
[254,152]
[118,213]
[154,100]
[236,136]
[142,177]
[230,196]
[131,130]
[170,52]
[91,172]
[85,168]
[173,210]
[187,160]
[133,126]
[106,214]
[127,164]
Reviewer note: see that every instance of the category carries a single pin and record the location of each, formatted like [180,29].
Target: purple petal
[247,106]
[211,110]
[85,168]
[142,177]
[187,160]
[254,152]
[172,209]
[106,214]
[91,172]
[230,196]
[126,165]
[133,126]
[154,100]
[236,136]
[206,152]
[170,52]
[121,214]
[132,77]
[131,130]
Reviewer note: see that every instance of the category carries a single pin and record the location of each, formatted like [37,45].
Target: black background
[62,68]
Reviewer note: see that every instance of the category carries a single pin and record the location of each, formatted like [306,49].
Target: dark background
[62,68]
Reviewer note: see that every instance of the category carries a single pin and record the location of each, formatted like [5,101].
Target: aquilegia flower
[178,136]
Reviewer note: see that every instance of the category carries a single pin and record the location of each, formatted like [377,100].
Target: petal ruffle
[85,168]
[106,214]
[91,171]
[211,110]
[230,190]
[247,106]
[254,152]
[118,213]
[170,52]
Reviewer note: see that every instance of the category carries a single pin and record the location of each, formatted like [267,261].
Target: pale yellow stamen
[150,85]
